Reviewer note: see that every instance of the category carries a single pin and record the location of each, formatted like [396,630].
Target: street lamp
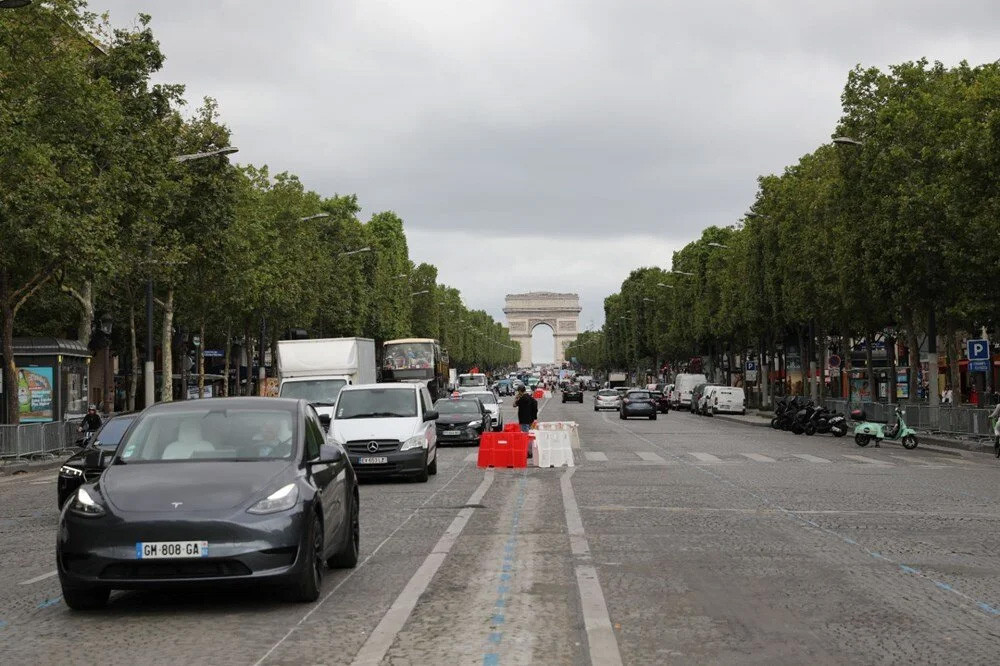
[317,216]
[14,4]
[725,247]
[665,286]
[422,291]
[681,273]
[149,365]
[847,141]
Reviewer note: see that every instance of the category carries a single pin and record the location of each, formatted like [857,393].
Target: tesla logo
[177,504]
[372,447]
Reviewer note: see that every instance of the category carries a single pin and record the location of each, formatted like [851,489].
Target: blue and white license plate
[373,460]
[451,433]
[168,550]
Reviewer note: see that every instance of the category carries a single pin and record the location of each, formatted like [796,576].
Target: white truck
[316,370]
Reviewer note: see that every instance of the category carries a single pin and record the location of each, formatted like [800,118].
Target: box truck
[316,370]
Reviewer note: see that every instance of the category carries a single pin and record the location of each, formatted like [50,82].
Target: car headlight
[280,500]
[84,504]
[70,471]
[415,442]
[475,424]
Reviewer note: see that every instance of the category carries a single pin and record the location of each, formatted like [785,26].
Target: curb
[21,466]
[929,442]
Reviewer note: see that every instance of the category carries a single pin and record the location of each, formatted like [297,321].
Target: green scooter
[866,431]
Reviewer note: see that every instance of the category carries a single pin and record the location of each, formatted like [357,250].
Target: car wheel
[347,556]
[652,417]
[424,474]
[309,579]
[596,409]
[62,499]
[432,469]
[85,598]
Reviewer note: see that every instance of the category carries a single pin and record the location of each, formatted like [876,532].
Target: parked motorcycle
[784,413]
[824,421]
[802,418]
[866,430]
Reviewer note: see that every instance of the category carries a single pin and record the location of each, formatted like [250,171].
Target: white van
[684,383]
[387,429]
[727,400]
[471,381]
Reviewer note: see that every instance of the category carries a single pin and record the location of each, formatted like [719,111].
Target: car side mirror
[96,458]
[430,415]
[328,454]
[499,401]
[324,420]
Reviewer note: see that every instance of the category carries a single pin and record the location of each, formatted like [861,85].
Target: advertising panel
[35,394]
[860,390]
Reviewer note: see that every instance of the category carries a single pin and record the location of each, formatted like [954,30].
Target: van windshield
[373,403]
[316,391]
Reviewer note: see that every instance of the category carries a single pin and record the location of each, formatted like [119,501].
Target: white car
[387,429]
[492,404]
[728,399]
[705,401]
[607,399]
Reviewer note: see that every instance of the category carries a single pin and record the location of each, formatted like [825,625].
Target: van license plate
[375,460]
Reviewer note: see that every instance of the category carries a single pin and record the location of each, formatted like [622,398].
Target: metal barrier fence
[27,439]
[946,419]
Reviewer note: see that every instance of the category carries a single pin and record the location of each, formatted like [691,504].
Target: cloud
[518,127]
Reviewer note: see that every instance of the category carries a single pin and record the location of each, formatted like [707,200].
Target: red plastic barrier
[503,449]
[512,427]
[539,394]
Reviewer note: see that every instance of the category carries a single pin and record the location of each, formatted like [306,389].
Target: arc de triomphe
[526,311]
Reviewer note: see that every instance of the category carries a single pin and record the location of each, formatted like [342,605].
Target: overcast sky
[543,144]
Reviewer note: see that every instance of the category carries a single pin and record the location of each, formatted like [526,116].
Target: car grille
[176,569]
[384,468]
[384,446]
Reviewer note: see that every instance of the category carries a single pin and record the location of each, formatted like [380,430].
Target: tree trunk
[869,368]
[821,370]
[890,361]
[185,369]
[85,297]
[201,361]
[248,350]
[166,341]
[133,371]
[803,363]
[913,342]
[9,369]
[227,355]
[954,372]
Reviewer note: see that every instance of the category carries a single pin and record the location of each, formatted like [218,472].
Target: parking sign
[979,355]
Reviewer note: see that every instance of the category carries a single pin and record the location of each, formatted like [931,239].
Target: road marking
[384,635]
[869,461]
[38,483]
[930,463]
[705,457]
[649,456]
[472,457]
[37,579]
[809,458]
[600,634]
[758,457]
[596,456]
[361,564]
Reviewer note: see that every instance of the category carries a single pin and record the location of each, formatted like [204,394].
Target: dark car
[86,465]
[505,387]
[461,420]
[637,402]
[572,392]
[661,400]
[208,492]
[696,393]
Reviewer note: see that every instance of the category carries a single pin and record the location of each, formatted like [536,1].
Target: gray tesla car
[227,490]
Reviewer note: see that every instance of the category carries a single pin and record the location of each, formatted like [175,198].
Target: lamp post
[418,293]
[354,252]
[106,326]
[149,366]
[14,4]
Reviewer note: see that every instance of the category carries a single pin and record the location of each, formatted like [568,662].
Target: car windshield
[607,393]
[638,395]
[487,397]
[112,432]
[457,407]
[472,380]
[316,391]
[211,435]
[373,403]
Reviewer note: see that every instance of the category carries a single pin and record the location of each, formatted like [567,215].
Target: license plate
[166,550]
[450,433]
[373,460]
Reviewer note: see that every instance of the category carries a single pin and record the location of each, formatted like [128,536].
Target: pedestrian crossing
[705,458]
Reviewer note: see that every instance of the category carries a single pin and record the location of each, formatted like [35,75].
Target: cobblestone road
[681,540]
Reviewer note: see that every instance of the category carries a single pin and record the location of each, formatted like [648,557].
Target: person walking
[527,409]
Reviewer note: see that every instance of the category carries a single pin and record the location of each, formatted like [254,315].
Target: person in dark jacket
[92,421]
[527,409]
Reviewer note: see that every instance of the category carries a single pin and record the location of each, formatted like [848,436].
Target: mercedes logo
[372,447]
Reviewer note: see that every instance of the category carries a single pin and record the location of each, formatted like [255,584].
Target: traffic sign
[979,355]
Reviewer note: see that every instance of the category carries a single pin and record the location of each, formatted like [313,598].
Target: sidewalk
[954,446]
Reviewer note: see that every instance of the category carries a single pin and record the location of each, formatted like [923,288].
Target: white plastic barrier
[552,448]
[568,426]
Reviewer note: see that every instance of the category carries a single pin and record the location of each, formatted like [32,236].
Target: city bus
[416,360]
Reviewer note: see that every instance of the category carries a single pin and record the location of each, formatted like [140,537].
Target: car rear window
[607,392]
